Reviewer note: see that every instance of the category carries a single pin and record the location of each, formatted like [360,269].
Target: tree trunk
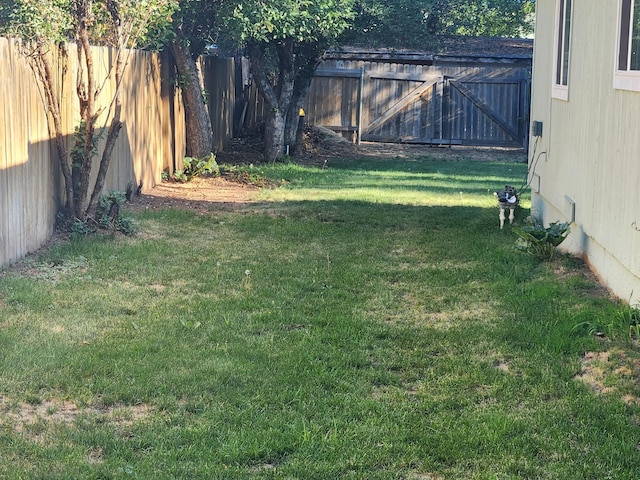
[116,120]
[292,134]
[86,91]
[274,135]
[291,128]
[277,97]
[197,121]
[44,71]
[112,136]
[308,57]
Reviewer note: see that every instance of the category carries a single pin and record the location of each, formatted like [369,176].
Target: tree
[284,39]
[417,24]
[192,26]
[398,24]
[494,18]
[118,23]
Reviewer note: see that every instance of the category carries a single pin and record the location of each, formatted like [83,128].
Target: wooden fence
[420,98]
[152,139]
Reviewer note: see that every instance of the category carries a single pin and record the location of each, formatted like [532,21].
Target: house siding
[589,153]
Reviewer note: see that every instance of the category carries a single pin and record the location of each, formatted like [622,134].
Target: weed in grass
[246,281]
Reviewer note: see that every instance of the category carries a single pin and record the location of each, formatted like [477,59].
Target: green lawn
[365,321]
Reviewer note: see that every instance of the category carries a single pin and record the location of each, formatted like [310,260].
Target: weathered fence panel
[219,83]
[418,98]
[28,190]
[152,138]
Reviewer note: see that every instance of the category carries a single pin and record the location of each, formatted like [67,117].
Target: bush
[194,167]
[538,240]
[109,215]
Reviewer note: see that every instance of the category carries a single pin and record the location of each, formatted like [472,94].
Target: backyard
[360,318]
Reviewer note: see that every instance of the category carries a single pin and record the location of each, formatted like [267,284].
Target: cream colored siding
[592,145]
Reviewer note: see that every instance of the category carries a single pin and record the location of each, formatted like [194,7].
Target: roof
[448,49]
[485,46]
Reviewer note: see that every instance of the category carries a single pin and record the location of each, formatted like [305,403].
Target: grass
[365,321]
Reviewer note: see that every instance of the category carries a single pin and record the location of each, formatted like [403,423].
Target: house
[584,154]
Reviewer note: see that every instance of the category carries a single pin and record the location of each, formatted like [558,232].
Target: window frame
[562,50]
[625,79]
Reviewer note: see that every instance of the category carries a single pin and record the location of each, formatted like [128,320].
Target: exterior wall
[589,151]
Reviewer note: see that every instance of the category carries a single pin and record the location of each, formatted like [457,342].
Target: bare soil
[198,194]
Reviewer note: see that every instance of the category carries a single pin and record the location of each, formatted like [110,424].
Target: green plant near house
[194,167]
[622,322]
[538,240]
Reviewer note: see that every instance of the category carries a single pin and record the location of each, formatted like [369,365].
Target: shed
[468,91]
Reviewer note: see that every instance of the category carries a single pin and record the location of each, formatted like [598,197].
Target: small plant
[538,240]
[286,158]
[245,175]
[194,167]
[623,322]
[80,229]
[109,215]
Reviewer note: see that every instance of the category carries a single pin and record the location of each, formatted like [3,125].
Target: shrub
[538,240]
[194,167]
[109,215]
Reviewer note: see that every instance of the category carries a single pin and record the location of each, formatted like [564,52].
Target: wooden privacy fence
[430,99]
[151,140]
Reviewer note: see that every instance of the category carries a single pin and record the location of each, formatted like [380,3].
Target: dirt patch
[594,367]
[611,372]
[200,194]
[23,417]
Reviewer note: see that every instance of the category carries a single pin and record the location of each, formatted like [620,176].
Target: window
[627,73]
[563,37]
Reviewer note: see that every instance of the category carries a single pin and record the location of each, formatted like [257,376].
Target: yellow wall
[590,148]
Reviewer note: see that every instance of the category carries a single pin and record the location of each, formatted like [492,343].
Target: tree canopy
[416,24]
[277,20]
[492,18]
[284,39]
[379,23]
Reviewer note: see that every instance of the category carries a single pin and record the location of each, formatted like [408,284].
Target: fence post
[360,101]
